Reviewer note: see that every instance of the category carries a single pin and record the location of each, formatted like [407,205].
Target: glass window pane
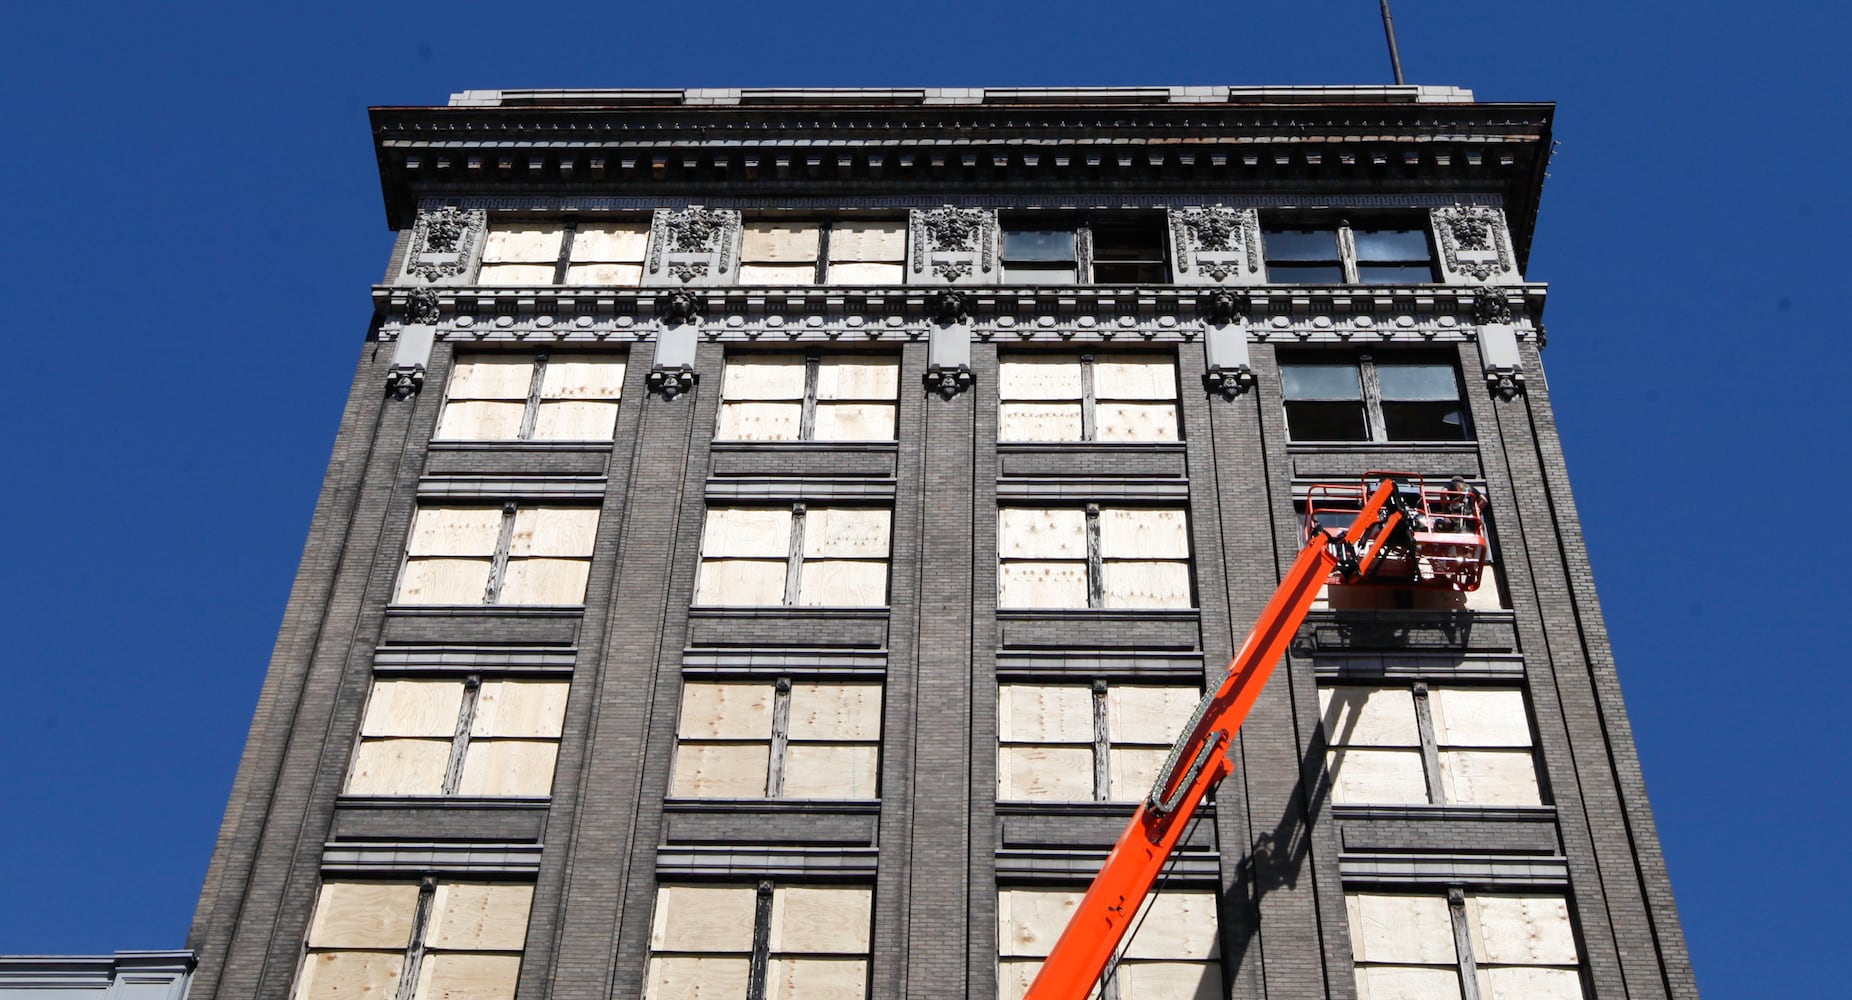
[1321,382]
[1305,274]
[1394,274]
[1128,273]
[1302,244]
[1326,422]
[1038,244]
[1391,244]
[1014,274]
[1424,421]
[1417,382]
[1128,242]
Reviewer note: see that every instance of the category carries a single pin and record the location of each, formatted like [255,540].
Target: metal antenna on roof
[1395,55]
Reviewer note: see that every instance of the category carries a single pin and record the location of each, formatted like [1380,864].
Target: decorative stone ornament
[421,307]
[950,307]
[404,381]
[444,246]
[1216,246]
[1490,306]
[1224,307]
[948,347]
[693,246]
[1475,246]
[952,245]
[670,382]
[1228,372]
[680,307]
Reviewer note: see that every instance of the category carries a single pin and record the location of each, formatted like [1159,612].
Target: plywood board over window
[1173,954]
[608,253]
[778,739]
[812,942]
[809,556]
[555,396]
[521,253]
[1100,557]
[498,555]
[795,397]
[1429,744]
[1406,945]
[456,736]
[867,252]
[1078,743]
[450,939]
[1114,396]
[779,253]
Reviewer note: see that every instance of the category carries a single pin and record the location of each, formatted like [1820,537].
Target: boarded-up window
[867,252]
[783,739]
[1420,744]
[600,252]
[781,942]
[1521,947]
[1078,743]
[1174,952]
[557,396]
[498,555]
[521,253]
[794,397]
[1093,557]
[449,939]
[841,252]
[808,556]
[459,736]
[1108,396]
[607,253]
[779,253]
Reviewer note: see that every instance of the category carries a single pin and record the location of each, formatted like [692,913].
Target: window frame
[462,735]
[502,554]
[1462,906]
[1431,749]
[1370,402]
[1095,560]
[795,558]
[779,740]
[1178,911]
[423,924]
[563,261]
[1345,256]
[537,397]
[761,956]
[1089,399]
[1107,735]
[825,259]
[814,363]
[1084,263]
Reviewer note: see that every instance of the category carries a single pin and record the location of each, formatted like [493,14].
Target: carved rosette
[1216,245]
[693,246]
[444,244]
[1475,247]
[952,244]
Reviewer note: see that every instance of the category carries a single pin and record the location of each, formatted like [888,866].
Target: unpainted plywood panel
[1140,713]
[515,274]
[364,915]
[526,244]
[1132,771]
[1039,376]
[1015,974]
[741,582]
[1042,533]
[1030,920]
[1403,982]
[763,376]
[846,532]
[689,977]
[613,275]
[834,710]
[1144,533]
[1490,777]
[858,376]
[747,531]
[455,531]
[1369,716]
[575,420]
[350,975]
[1135,422]
[1042,585]
[1134,376]
[1154,585]
[779,242]
[1521,930]
[611,241]
[1045,713]
[554,531]
[1529,983]
[819,920]
[1038,422]
[778,274]
[720,771]
[831,771]
[508,767]
[479,420]
[399,767]
[1177,925]
[444,581]
[703,918]
[725,710]
[545,581]
[760,422]
[413,708]
[1479,717]
[835,583]
[816,979]
[479,916]
[866,273]
[851,241]
[582,376]
[467,977]
[492,376]
[1488,597]
[854,422]
[1045,774]
[1410,929]
[1170,981]
[520,708]
[1377,777]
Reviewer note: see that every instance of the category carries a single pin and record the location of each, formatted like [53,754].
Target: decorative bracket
[1225,348]
[1498,345]
[949,381]
[670,381]
[681,307]
[1223,306]
[1229,382]
[404,381]
[949,307]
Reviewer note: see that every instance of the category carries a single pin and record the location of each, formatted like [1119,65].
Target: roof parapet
[939,96]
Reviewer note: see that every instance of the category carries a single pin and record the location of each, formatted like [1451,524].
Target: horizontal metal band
[733,861]
[447,858]
[1463,870]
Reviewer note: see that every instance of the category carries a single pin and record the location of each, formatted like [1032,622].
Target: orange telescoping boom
[1388,528]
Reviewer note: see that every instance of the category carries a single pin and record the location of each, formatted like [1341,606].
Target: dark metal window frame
[1344,249]
[1370,387]
[1083,225]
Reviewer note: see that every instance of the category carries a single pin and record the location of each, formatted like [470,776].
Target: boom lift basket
[1441,542]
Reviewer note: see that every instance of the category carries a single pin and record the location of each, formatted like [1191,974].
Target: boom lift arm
[1199,761]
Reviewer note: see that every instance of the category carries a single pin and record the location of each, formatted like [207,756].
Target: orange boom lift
[1388,528]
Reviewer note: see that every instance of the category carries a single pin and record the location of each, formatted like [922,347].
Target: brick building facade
[772,534]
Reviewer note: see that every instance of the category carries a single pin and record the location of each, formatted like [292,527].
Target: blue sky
[192,220]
